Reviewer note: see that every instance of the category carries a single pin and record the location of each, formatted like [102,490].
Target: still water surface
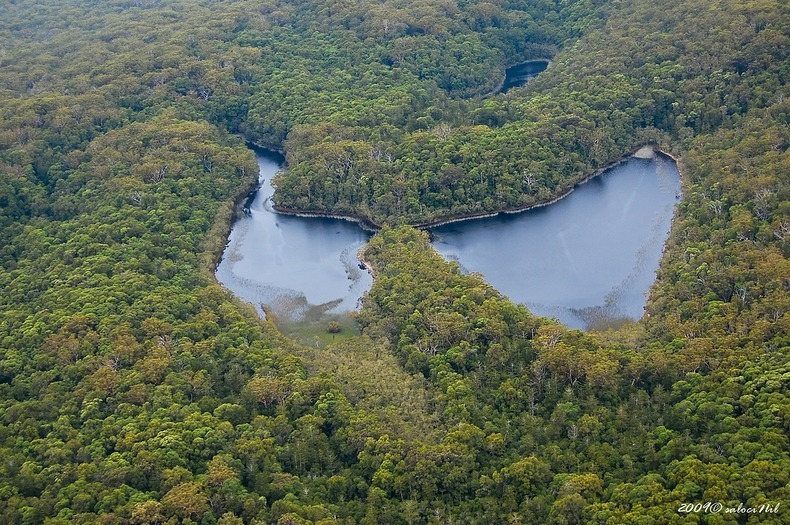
[294,266]
[520,74]
[589,259]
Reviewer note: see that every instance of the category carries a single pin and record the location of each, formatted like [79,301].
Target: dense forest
[135,390]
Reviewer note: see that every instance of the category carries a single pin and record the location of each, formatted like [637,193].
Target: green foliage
[133,389]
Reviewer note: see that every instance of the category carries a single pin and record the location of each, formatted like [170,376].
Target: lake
[298,268]
[589,259]
[520,74]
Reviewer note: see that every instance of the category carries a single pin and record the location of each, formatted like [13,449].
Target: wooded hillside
[134,389]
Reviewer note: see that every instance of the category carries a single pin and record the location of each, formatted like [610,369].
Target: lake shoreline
[363,222]
[225,221]
[498,90]
[370,225]
[646,151]
[289,269]
[266,147]
[590,260]
[246,196]
[459,218]
[238,203]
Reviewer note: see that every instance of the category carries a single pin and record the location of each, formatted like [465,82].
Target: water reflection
[589,259]
[297,268]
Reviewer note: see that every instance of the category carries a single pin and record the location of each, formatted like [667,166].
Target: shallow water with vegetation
[294,268]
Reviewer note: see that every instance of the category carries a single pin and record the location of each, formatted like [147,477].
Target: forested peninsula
[136,390]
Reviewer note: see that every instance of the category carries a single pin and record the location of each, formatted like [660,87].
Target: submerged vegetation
[133,389]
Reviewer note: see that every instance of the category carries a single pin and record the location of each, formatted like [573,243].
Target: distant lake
[588,259]
[297,267]
[520,74]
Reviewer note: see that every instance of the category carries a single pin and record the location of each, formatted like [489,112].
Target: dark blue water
[520,74]
[293,266]
[589,259]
